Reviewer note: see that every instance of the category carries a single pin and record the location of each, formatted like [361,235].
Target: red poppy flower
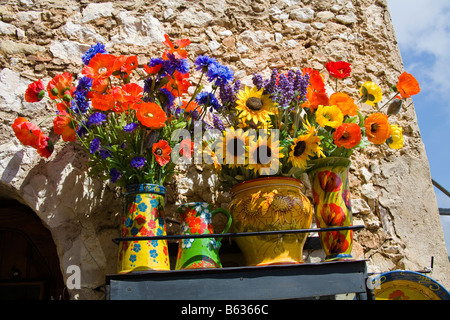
[35,91]
[123,66]
[151,115]
[187,148]
[332,215]
[26,132]
[314,99]
[340,69]
[162,151]
[407,85]
[347,135]
[65,126]
[100,66]
[177,48]
[60,85]
[152,70]
[103,102]
[127,96]
[178,84]
[316,79]
[30,135]
[329,181]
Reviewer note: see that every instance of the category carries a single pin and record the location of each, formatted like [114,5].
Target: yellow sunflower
[232,147]
[264,155]
[209,156]
[304,147]
[254,106]
[330,116]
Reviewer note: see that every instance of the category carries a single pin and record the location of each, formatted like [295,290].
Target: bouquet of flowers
[282,123]
[129,129]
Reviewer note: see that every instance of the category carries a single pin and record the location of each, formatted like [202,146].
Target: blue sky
[423,33]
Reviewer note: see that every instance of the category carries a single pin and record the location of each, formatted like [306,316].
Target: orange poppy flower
[177,48]
[378,129]
[345,103]
[123,66]
[152,70]
[347,135]
[151,115]
[45,148]
[315,99]
[187,148]
[316,79]
[103,102]
[60,85]
[100,84]
[26,132]
[162,151]
[100,66]
[340,69]
[35,91]
[127,96]
[65,126]
[178,84]
[407,85]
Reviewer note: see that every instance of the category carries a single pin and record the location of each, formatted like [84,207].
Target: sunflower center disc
[254,103]
[299,148]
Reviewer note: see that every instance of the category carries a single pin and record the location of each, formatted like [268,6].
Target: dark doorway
[29,264]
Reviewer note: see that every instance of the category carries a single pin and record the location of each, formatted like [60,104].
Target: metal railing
[442,211]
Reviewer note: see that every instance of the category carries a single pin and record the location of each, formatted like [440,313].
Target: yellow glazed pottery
[143,216]
[270,204]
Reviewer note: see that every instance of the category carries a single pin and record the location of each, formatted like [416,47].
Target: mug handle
[227,214]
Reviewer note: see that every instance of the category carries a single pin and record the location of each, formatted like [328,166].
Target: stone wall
[392,191]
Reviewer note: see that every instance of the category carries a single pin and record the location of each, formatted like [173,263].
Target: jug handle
[227,214]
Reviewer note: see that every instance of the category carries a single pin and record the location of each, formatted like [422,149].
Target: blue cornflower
[130,127]
[96,118]
[203,63]
[80,103]
[173,64]
[81,131]
[115,174]
[166,98]
[94,145]
[220,74]
[92,51]
[138,162]
[207,99]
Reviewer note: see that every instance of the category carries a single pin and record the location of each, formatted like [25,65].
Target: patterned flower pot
[270,204]
[142,216]
[196,218]
[330,188]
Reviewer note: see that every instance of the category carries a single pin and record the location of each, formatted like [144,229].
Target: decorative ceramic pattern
[332,205]
[270,204]
[196,218]
[143,216]
[408,285]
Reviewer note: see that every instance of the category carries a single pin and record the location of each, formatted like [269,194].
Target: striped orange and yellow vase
[332,205]
[143,216]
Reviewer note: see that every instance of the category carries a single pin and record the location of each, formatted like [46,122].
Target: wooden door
[29,264]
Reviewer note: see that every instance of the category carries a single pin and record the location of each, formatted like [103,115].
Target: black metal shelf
[237,234]
[273,282]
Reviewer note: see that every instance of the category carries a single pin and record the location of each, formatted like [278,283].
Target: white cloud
[423,29]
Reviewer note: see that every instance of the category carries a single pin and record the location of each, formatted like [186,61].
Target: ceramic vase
[332,205]
[143,216]
[199,253]
[270,204]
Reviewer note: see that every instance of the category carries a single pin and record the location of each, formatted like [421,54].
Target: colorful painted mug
[196,218]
